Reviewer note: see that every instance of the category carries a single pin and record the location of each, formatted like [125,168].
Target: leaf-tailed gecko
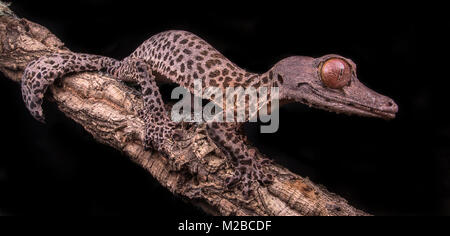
[329,82]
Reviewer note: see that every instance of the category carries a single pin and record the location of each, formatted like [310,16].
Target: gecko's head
[330,83]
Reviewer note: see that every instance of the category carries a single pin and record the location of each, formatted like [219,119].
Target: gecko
[329,82]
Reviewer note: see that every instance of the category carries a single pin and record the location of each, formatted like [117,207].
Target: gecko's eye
[335,73]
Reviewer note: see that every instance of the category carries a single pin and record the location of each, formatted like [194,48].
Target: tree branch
[106,109]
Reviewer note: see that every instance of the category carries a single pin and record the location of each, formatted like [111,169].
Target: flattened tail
[42,73]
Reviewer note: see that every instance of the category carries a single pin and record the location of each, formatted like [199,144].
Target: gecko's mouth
[379,106]
[362,110]
[350,107]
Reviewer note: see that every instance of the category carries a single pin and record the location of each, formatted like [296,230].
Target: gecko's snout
[390,107]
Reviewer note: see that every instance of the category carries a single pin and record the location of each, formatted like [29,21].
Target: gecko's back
[182,57]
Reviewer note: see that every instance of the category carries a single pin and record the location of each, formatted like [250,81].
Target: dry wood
[106,109]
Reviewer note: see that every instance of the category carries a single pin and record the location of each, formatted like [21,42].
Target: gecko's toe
[147,143]
[183,138]
[246,176]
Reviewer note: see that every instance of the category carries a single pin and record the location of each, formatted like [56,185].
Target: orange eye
[336,73]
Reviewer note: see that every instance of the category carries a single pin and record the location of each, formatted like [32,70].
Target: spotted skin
[177,56]
[248,164]
[41,73]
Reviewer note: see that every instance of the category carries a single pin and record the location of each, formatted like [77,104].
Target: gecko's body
[181,57]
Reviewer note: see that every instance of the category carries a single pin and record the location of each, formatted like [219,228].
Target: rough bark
[106,109]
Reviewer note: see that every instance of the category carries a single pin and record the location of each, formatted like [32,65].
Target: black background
[397,167]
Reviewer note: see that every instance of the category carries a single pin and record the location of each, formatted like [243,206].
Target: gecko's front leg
[248,165]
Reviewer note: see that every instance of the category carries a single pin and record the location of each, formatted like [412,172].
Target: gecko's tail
[41,73]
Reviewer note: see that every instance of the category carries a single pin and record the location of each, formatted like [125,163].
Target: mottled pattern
[41,73]
[180,57]
[248,165]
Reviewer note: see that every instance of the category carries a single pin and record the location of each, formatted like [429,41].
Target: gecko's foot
[181,134]
[179,140]
[178,149]
[248,172]
[182,138]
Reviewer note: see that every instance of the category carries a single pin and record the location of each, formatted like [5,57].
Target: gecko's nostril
[391,106]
